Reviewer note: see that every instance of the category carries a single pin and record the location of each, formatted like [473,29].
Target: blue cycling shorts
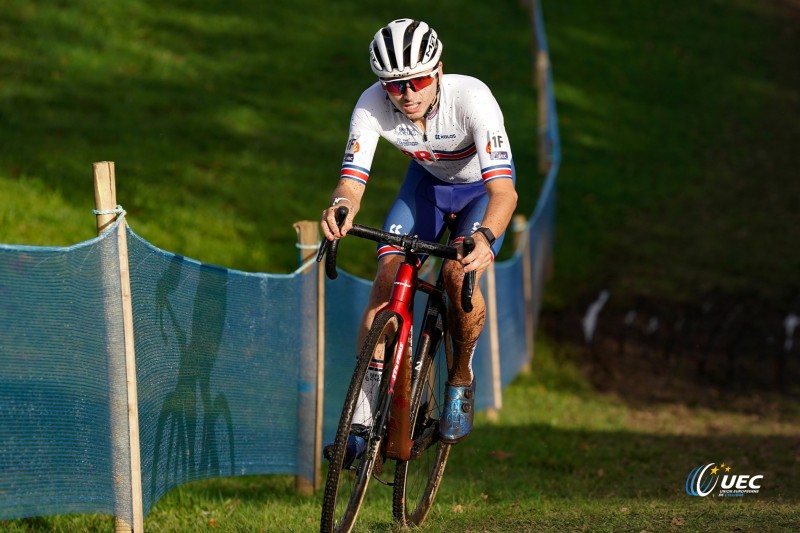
[423,203]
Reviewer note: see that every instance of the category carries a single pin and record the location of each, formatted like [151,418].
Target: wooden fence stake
[494,344]
[522,242]
[308,240]
[541,69]
[125,417]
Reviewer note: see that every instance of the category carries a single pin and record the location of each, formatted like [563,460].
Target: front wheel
[416,481]
[345,487]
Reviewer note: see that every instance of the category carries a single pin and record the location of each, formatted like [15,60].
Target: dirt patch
[788,7]
[720,350]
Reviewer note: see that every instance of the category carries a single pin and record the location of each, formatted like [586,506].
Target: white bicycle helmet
[404,48]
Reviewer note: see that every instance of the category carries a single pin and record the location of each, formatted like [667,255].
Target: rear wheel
[345,487]
[416,481]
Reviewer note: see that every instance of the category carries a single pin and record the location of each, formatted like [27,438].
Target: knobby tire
[416,481]
[339,485]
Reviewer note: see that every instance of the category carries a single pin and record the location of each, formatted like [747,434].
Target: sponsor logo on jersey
[407,142]
[352,145]
[403,129]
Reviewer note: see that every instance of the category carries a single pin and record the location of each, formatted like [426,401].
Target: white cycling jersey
[465,139]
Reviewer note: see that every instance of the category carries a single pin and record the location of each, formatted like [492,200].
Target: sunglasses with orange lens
[399,87]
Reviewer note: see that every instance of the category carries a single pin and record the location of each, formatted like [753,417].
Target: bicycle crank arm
[429,437]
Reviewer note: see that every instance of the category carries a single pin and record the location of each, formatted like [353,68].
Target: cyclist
[452,129]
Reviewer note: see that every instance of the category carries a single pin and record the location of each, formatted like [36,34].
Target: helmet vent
[403,48]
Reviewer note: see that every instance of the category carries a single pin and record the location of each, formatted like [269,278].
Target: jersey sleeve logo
[496,146]
[352,146]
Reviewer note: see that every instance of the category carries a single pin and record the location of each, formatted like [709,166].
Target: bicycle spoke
[417,480]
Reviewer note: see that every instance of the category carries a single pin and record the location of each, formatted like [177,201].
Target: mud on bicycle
[408,399]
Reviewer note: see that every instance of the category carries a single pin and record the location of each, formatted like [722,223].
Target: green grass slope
[227,121]
[678,129]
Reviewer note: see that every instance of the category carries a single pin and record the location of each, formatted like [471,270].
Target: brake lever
[329,249]
[324,246]
[468,286]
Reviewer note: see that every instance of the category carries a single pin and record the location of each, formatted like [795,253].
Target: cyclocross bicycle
[410,399]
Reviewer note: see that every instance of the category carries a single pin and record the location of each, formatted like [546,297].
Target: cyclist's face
[414,104]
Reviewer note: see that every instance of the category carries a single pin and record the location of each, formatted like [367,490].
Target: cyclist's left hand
[480,258]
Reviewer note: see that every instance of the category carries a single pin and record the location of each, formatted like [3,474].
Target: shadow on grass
[541,460]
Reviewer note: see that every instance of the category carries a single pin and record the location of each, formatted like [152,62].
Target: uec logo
[702,481]
[697,484]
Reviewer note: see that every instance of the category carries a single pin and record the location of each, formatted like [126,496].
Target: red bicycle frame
[401,301]
[398,443]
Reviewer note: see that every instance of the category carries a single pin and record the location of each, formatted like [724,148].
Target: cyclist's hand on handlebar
[479,259]
[330,229]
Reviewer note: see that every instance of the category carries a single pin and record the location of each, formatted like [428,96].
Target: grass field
[560,458]
[227,121]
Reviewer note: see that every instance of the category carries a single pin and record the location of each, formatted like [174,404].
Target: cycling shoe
[356,444]
[458,414]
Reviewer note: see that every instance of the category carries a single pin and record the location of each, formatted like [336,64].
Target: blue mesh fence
[225,360]
[60,325]
[514,348]
[220,357]
[344,301]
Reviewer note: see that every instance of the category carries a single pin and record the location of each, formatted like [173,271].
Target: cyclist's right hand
[330,228]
